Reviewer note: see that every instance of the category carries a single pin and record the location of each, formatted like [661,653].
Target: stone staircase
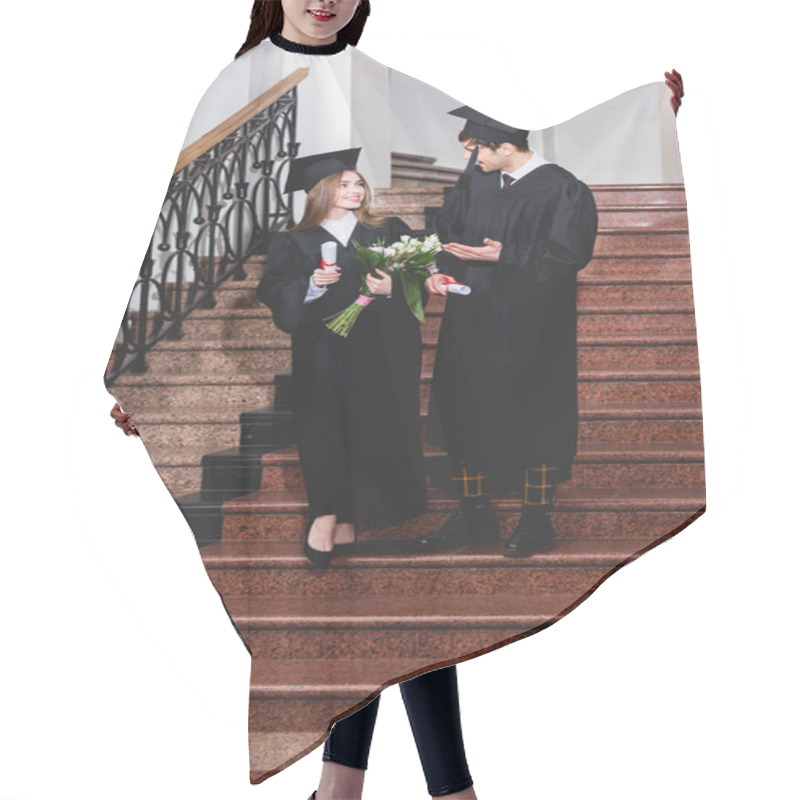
[212,411]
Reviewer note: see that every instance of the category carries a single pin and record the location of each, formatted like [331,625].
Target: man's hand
[675,83]
[489,252]
[437,283]
[379,286]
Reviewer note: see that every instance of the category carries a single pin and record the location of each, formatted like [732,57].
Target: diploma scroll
[329,251]
[454,287]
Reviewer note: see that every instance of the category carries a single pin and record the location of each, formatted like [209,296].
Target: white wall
[628,139]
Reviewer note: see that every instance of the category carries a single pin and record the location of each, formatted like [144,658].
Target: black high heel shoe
[319,558]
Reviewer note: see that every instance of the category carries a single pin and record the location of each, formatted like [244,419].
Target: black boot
[534,533]
[474,523]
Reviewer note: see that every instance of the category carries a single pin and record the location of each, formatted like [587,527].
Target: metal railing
[223,201]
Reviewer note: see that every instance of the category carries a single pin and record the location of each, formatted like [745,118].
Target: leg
[475,521]
[346,754]
[433,711]
[534,533]
[320,425]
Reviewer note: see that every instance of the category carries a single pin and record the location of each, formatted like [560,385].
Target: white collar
[530,165]
[342,228]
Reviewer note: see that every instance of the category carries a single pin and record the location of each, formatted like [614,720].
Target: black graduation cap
[486,129]
[305,173]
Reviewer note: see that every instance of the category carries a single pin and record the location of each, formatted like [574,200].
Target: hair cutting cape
[572,365]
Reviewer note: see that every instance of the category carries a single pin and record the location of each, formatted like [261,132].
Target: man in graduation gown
[516,229]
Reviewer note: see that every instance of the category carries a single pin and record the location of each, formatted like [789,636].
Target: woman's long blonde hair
[266,18]
[322,196]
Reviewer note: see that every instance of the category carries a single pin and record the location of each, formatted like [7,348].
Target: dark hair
[266,19]
[521,143]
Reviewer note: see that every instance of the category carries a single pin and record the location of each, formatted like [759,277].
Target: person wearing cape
[302,298]
[515,229]
[355,400]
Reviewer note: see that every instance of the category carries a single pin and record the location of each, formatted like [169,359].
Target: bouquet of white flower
[413,260]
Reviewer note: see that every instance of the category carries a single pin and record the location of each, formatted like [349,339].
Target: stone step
[433,627]
[215,429]
[645,242]
[665,217]
[238,295]
[579,512]
[248,392]
[569,524]
[256,323]
[273,355]
[603,268]
[642,464]
[396,567]
[605,195]
[305,695]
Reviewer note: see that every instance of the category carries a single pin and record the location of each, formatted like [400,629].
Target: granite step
[305,694]
[218,428]
[644,242]
[256,323]
[635,512]
[273,354]
[641,464]
[413,213]
[631,269]
[395,567]
[254,390]
[605,195]
[435,626]
[653,286]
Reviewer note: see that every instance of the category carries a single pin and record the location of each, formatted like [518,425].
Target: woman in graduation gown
[355,399]
[356,415]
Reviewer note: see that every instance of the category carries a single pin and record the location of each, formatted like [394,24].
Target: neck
[518,160]
[294,34]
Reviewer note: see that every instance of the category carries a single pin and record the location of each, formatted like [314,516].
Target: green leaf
[413,295]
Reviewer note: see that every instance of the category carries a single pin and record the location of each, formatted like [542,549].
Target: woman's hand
[379,286]
[325,277]
[675,83]
[437,283]
[122,419]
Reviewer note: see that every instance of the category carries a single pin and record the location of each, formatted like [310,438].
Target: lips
[322,16]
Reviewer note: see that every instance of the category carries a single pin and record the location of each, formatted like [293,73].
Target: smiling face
[316,22]
[350,192]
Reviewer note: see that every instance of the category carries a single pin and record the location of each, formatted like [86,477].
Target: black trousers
[431,702]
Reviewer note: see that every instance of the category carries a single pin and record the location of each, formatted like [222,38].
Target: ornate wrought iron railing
[223,201]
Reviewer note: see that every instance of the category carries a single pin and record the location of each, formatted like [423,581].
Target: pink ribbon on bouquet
[363,300]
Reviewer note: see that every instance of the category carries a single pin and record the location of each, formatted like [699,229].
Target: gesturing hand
[379,286]
[489,252]
[675,83]
[122,419]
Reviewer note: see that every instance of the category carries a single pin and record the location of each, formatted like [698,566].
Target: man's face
[488,160]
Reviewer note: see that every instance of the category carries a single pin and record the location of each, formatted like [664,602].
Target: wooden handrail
[234,122]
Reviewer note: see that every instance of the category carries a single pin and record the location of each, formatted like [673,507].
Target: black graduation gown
[356,399]
[505,378]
